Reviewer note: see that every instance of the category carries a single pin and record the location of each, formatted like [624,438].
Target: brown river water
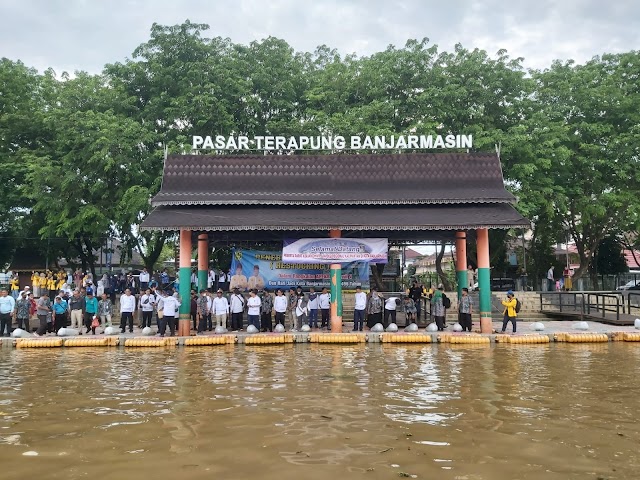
[464,412]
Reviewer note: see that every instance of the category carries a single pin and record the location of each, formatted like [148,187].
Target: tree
[583,169]
[609,259]
[78,181]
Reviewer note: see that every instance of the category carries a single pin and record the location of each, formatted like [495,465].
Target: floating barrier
[268,339]
[337,338]
[528,339]
[405,338]
[461,338]
[38,343]
[218,340]
[150,342]
[631,336]
[585,338]
[86,342]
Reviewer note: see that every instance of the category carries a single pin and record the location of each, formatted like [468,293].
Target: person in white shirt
[236,307]
[220,309]
[390,310]
[280,306]
[127,307]
[209,317]
[194,281]
[144,280]
[324,303]
[313,308]
[359,309]
[171,306]
[253,305]
[147,304]
[551,283]
[211,279]
[302,309]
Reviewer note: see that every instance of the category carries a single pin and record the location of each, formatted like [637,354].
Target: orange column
[184,324]
[484,280]
[203,261]
[336,290]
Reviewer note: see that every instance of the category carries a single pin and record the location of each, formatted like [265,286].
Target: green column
[463,281]
[185,290]
[336,289]
[484,286]
[203,277]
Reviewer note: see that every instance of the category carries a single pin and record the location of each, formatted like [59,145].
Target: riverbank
[560,331]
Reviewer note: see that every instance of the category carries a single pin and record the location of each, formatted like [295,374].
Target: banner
[335,250]
[258,269]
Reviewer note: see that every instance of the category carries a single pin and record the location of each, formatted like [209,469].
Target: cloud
[85,35]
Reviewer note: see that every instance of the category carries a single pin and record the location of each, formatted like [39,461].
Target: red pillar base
[184,326]
[486,325]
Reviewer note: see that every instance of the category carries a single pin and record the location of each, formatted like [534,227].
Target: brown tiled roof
[323,218]
[385,179]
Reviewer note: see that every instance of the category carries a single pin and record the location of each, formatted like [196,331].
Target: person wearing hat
[220,309]
[509,311]
[23,311]
[89,310]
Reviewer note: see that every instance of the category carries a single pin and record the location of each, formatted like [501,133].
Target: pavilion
[409,197]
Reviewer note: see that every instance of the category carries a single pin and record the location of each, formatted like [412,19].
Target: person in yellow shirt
[15,286]
[35,281]
[43,284]
[509,311]
[51,284]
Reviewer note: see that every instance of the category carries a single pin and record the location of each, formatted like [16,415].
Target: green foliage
[609,257]
[81,157]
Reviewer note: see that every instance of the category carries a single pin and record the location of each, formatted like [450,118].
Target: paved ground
[551,326]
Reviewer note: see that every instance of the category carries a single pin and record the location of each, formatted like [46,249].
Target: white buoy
[279,328]
[19,333]
[637,323]
[432,327]
[111,331]
[68,332]
[220,329]
[581,326]
[537,326]
[252,329]
[305,328]
[457,327]
[411,328]
[392,327]
[146,331]
[377,328]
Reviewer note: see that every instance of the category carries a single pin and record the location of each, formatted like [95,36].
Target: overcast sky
[86,34]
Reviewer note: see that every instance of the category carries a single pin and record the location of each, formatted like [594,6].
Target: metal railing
[631,303]
[600,304]
[568,302]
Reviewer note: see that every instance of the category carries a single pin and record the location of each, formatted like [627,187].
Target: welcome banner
[335,250]
[259,269]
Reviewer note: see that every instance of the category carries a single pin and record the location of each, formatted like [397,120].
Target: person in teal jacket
[90,310]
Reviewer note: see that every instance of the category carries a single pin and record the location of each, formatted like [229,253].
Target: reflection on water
[315,411]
